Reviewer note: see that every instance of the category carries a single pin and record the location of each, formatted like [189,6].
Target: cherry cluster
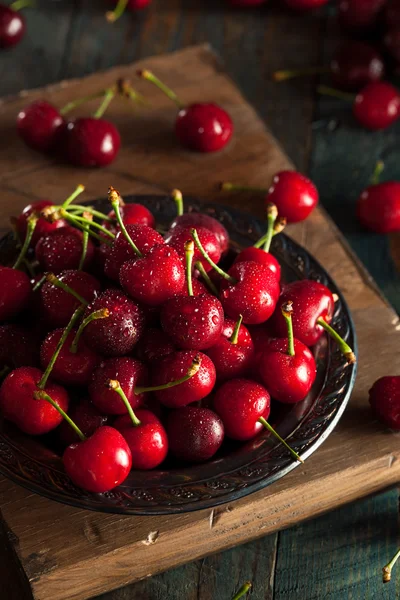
[130,346]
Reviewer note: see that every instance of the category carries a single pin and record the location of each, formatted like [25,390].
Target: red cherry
[377,105]
[391,13]
[178,236]
[304,5]
[43,227]
[19,346]
[100,463]
[261,257]
[195,434]
[117,334]
[204,127]
[233,353]
[378,207]
[18,405]
[356,64]
[15,292]
[294,195]
[153,345]
[201,220]
[62,249]
[91,142]
[384,398]
[147,441]
[132,214]
[175,366]
[12,26]
[392,42]
[130,372]
[70,368]
[86,416]
[359,16]
[38,124]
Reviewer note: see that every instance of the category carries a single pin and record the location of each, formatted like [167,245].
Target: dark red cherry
[359,16]
[62,249]
[12,26]
[132,214]
[194,434]
[384,398]
[378,207]
[153,345]
[203,127]
[377,105]
[147,441]
[176,365]
[15,292]
[100,463]
[304,5]
[391,13]
[43,227]
[38,124]
[117,334]
[233,352]
[294,195]
[258,255]
[86,416]
[202,220]
[18,405]
[356,64]
[91,142]
[130,372]
[19,346]
[70,368]
[178,237]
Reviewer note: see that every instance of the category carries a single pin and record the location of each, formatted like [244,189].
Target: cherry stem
[39,283]
[87,222]
[19,4]
[41,395]
[113,384]
[108,96]
[115,200]
[75,194]
[235,334]
[114,15]
[77,314]
[193,369]
[97,314]
[287,309]
[328,91]
[178,199]
[210,284]
[380,165]
[387,570]
[89,209]
[51,278]
[85,239]
[278,437]
[227,186]
[279,226]
[189,252]
[126,89]
[31,224]
[272,214]
[291,74]
[149,76]
[246,587]
[81,223]
[75,103]
[343,347]
[208,259]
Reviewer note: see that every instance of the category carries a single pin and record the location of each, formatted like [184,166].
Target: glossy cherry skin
[57,306]
[359,16]
[153,345]
[176,365]
[148,441]
[100,463]
[258,255]
[143,236]
[86,416]
[240,403]
[287,378]
[38,124]
[193,322]
[162,266]
[12,26]
[43,227]
[356,64]
[311,300]
[129,372]
[377,105]
[118,333]
[391,13]
[18,405]
[62,249]
[178,237]
[70,368]
[254,295]
[294,195]
[195,434]
[304,5]
[90,142]
[131,214]
[19,346]
[384,398]
[232,360]
[15,292]
[197,219]
[378,207]
[204,127]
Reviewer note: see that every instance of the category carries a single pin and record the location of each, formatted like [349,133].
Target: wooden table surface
[337,556]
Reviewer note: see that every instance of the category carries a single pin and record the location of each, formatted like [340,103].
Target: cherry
[392,42]
[202,127]
[304,5]
[62,249]
[377,105]
[359,16]
[12,24]
[378,207]
[194,434]
[384,398]
[180,235]
[86,416]
[391,13]
[153,345]
[132,5]
[91,142]
[43,226]
[38,124]
[131,214]
[18,404]
[178,365]
[15,292]
[287,367]
[356,64]
[18,346]
[117,334]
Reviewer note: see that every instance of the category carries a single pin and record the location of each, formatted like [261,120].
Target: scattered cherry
[377,105]
[12,24]
[195,434]
[378,207]
[91,142]
[384,398]
[355,64]
[39,124]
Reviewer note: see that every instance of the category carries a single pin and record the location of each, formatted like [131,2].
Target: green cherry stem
[149,76]
[325,90]
[108,96]
[41,395]
[20,4]
[246,587]
[81,223]
[75,103]
[189,252]
[80,208]
[208,281]
[228,186]
[287,309]
[279,226]
[208,259]
[178,199]
[113,384]
[103,313]
[278,437]
[85,240]
[77,314]
[87,222]
[51,278]
[114,15]
[193,369]
[80,188]
[379,167]
[387,570]
[115,200]
[272,214]
[343,347]
[291,74]
[31,224]
[235,334]
[39,283]
[125,89]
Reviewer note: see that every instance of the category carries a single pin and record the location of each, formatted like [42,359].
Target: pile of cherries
[129,346]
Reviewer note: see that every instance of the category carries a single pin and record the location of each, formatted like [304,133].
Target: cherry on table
[355,64]
[384,398]
[12,23]
[38,124]
[91,142]
[195,434]
[86,416]
[377,106]
[378,207]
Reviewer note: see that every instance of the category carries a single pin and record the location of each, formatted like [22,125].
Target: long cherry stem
[86,222]
[246,587]
[209,260]
[387,570]
[272,214]
[287,310]
[115,201]
[189,252]
[278,437]
[31,224]
[113,384]
[80,188]
[193,369]
[77,314]
[279,226]
[227,186]
[108,96]
[178,199]
[343,347]
[235,334]
[89,209]
[103,313]
[51,278]
[75,103]
[328,91]
[41,395]
[39,283]
[85,240]
[80,223]
[207,279]
[149,76]
[125,89]
[114,15]
[376,175]
[292,73]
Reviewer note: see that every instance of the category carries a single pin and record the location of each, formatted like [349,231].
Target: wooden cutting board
[62,553]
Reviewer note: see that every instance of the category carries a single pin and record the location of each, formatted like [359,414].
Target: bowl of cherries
[161,358]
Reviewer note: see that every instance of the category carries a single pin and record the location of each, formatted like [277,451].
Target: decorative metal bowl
[238,469]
